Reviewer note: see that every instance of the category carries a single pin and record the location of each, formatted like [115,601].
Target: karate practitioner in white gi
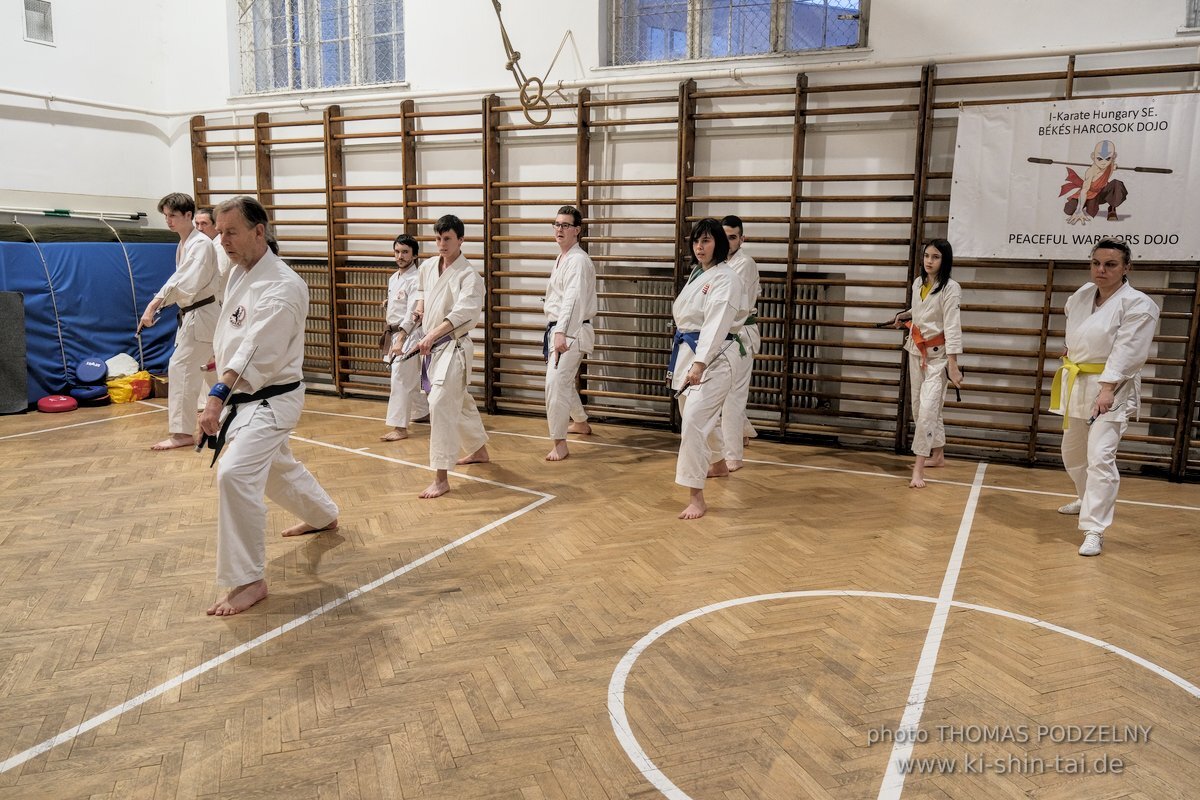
[193,287]
[260,355]
[707,313]
[406,402]
[934,345]
[451,300]
[1110,332]
[570,307]
[206,223]
[735,428]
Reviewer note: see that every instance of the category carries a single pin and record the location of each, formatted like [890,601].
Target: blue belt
[691,339]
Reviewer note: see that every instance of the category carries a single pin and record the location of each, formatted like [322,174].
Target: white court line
[906,731]
[79,424]
[463,475]
[148,695]
[616,686]
[811,467]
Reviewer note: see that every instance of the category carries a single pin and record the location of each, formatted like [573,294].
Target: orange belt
[922,343]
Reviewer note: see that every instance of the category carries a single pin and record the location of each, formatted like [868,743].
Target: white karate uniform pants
[700,409]
[927,388]
[454,422]
[562,400]
[257,461]
[1089,453]
[406,402]
[185,381]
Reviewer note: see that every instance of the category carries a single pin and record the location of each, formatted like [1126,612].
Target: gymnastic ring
[529,100]
[545,105]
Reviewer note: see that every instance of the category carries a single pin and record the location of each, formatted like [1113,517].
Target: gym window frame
[664,31]
[305,45]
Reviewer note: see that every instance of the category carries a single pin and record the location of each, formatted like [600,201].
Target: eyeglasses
[562,226]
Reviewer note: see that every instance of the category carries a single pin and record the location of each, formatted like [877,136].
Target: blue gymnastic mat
[97,306]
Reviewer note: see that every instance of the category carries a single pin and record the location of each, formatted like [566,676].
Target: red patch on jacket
[705,289]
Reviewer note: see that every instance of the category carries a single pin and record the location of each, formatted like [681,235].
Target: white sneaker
[1072,507]
[1092,543]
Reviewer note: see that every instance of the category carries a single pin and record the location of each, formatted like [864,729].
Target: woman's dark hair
[943,274]
[714,229]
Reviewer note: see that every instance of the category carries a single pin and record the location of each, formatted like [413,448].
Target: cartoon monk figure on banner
[1097,187]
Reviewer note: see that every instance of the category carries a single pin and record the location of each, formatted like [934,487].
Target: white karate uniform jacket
[455,295]
[196,277]
[712,303]
[403,296]
[937,313]
[1120,334]
[571,299]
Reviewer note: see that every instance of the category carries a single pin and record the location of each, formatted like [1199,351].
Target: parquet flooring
[484,672]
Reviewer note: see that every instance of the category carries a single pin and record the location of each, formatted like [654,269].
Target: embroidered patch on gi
[705,289]
[238,317]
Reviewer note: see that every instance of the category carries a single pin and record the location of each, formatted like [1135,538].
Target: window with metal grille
[39,27]
[1193,14]
[315,44]
[676,30]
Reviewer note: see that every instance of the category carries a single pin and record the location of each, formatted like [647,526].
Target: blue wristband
[219,391]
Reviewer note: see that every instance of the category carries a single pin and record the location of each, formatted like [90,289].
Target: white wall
[141,53]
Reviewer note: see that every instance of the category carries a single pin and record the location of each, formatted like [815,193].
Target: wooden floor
[552,631]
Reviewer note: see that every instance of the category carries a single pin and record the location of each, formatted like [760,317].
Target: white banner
[1020,171]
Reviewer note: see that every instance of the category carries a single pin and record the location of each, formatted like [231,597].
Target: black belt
[264,394]
[546,338]
[199,304]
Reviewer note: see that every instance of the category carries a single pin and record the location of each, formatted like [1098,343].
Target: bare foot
[580,427]
[559,452]
[718,469]
[173,441]
[745,441]
[422,419]
[436,489]
[696,505]
[239,599]
[918,475]
[936,459]
[480,456]
[733,465]
[303,528]
[394,435]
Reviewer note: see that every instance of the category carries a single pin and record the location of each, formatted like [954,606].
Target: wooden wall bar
[838,238]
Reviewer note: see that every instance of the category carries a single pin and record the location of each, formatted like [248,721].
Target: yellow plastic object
[130,388]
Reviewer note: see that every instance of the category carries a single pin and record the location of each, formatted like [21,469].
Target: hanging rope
[53,300]
[137,333]
[532,89]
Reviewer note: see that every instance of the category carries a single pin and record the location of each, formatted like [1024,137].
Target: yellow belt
[1058,399]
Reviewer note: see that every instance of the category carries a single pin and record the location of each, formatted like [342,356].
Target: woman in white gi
[934,345]
[452,302]
[259,348]
[708,313]
[406,401]
[570,307]
[1110,330]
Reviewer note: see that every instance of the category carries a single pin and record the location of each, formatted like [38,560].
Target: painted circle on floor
[616,685]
